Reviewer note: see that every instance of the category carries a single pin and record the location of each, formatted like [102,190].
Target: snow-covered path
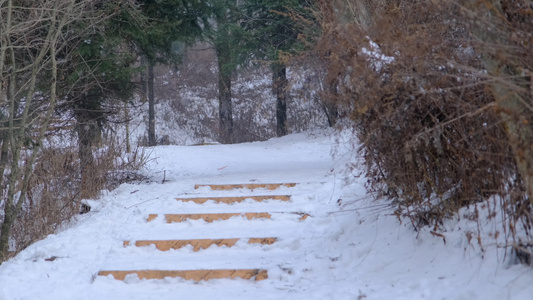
[351,247]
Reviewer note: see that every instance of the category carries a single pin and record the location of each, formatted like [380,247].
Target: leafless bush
[52,197]
[430,129]
[54,189]
[309,105]
[32,36]
[117,166]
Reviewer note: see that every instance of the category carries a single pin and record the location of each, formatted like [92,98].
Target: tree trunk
[151,106]
[127,117]
[330,104]
[7,224]
[517,122]
[507,82]
[8,209]
[520,135]
[21,170]
[225,107]
[144,78]
[279,87]
[87,132]
[360,12]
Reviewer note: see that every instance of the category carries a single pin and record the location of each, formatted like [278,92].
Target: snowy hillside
[350,247]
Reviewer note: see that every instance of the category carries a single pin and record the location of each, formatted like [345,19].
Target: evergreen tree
[172,24]
[97,70]
[227,37]
[275,28]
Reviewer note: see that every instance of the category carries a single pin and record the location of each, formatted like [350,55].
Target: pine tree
[171,24]
[251,31]
[275,28]
[97,70]
[226,36]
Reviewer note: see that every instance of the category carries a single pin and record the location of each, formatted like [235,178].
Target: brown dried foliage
[54,192]
[52,197]
[422,108]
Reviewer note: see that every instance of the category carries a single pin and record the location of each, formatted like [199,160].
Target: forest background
[438,93]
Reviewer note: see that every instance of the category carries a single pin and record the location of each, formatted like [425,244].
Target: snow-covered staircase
[151,263]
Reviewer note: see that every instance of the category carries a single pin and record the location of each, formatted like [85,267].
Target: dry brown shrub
[52,198]
[54,191]
[425,116]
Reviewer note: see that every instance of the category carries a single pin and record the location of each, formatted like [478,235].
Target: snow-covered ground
[352,246]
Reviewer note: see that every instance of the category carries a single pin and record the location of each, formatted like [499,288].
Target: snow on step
[283,226]
[283,229]
[251,186]
[229,200]
[149,264]
[165,245]
[178,234]
[196,275]
[213,258]
[211,217]
[297,204]
[176,218]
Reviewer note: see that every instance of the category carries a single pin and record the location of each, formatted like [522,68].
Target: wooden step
[196,275]
[176,218]
[165,245]
[229,200]
[251,186]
